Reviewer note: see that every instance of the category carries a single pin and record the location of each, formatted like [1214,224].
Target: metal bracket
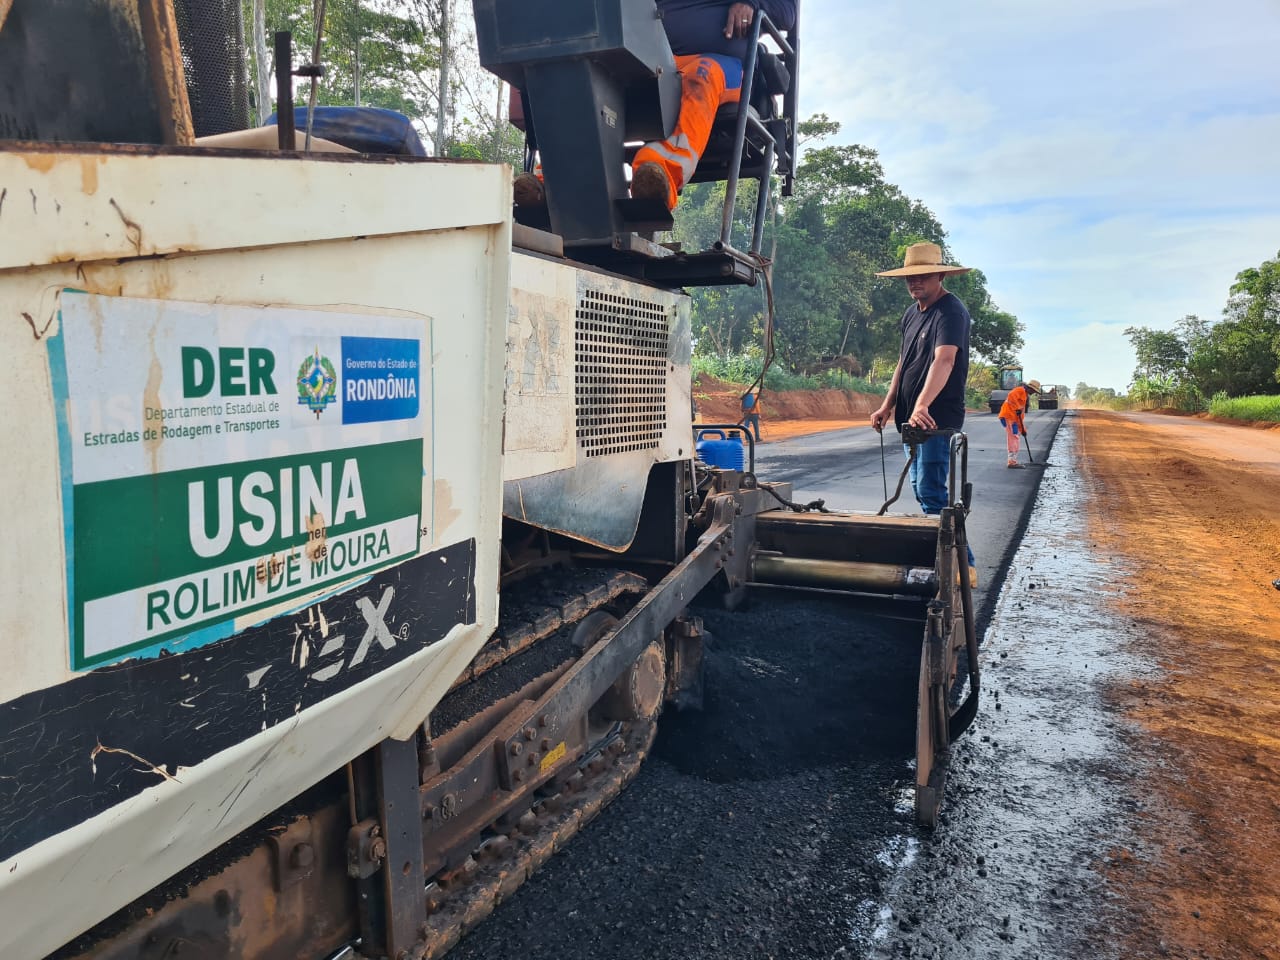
[293,854]
[519,760]
[684,664]
[366,849]
[585,682]
[936,632]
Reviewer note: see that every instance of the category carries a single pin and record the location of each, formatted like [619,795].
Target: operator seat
[596,78]
[771,82]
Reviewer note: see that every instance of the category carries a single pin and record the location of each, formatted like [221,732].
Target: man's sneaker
[1015,465]
[528,191]
[650,182]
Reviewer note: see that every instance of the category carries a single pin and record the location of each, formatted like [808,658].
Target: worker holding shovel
[1011,418]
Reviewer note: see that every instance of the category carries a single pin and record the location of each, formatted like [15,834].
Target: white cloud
[1106,163]
[1096,353]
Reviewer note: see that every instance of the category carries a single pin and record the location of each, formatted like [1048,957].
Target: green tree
[1255,296]
[1161,354]
[726,320]
[1254,304]
[983,378]
[845,223]
[1096,396]
[1237,358]
[368,47]
[1153,391]
[1240,355]
[1192,331]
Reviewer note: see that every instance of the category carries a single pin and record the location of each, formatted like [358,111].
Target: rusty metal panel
[286,897]
[173,754]
[403,877]
[98,70]
[582,430]
[87,203]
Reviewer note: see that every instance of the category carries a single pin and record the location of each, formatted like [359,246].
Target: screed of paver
[1193,509]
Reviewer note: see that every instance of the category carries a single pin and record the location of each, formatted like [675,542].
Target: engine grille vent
[621,347]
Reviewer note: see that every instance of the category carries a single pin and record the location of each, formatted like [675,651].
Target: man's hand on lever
[921,418]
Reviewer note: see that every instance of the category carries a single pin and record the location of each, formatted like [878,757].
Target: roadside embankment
[785,413]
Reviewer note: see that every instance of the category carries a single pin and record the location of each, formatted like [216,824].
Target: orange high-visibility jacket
[1014,405]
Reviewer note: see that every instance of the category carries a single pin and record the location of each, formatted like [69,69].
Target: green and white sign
[221,460]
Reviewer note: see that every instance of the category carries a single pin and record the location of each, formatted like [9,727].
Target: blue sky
[1106,163]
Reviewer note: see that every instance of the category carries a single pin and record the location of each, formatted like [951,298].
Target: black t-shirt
[697,26]
[946,323]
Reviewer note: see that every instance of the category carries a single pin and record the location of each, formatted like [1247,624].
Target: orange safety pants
[1012,428]
[708,82]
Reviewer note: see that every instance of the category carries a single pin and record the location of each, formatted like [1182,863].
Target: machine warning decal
[243,457]
[552,758]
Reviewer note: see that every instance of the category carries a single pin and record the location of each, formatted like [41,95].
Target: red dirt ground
[785,414]
[1192,509]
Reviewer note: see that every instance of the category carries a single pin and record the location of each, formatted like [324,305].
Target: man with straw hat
[927,389]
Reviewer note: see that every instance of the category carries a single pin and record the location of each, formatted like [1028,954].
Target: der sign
[220,460]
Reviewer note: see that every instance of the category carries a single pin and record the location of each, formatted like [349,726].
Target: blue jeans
[751,421]
[929,475]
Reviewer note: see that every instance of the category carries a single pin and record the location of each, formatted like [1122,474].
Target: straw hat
[923,258]
[1034,385]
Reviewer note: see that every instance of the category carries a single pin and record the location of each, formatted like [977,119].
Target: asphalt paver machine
[354,526]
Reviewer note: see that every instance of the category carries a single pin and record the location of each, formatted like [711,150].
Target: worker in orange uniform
[1011,418]
[709,40]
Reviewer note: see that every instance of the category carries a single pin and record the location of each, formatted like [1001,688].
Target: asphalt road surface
[777,822]
[844,469]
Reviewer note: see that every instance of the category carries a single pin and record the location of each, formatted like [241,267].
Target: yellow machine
[1010,377]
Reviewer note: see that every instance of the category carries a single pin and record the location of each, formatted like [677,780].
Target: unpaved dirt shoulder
[1192,510]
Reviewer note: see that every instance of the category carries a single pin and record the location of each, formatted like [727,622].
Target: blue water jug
[725,453]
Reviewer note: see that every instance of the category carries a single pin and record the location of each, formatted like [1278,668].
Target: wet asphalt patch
[1042,791]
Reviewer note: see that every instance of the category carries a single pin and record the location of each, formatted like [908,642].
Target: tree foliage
[416,57]
[1161,353]
[1097,396]
[1240,355]
[1237,356]
[844,223]
[366,44]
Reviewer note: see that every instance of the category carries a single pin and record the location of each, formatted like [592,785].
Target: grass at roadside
[1246,408]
